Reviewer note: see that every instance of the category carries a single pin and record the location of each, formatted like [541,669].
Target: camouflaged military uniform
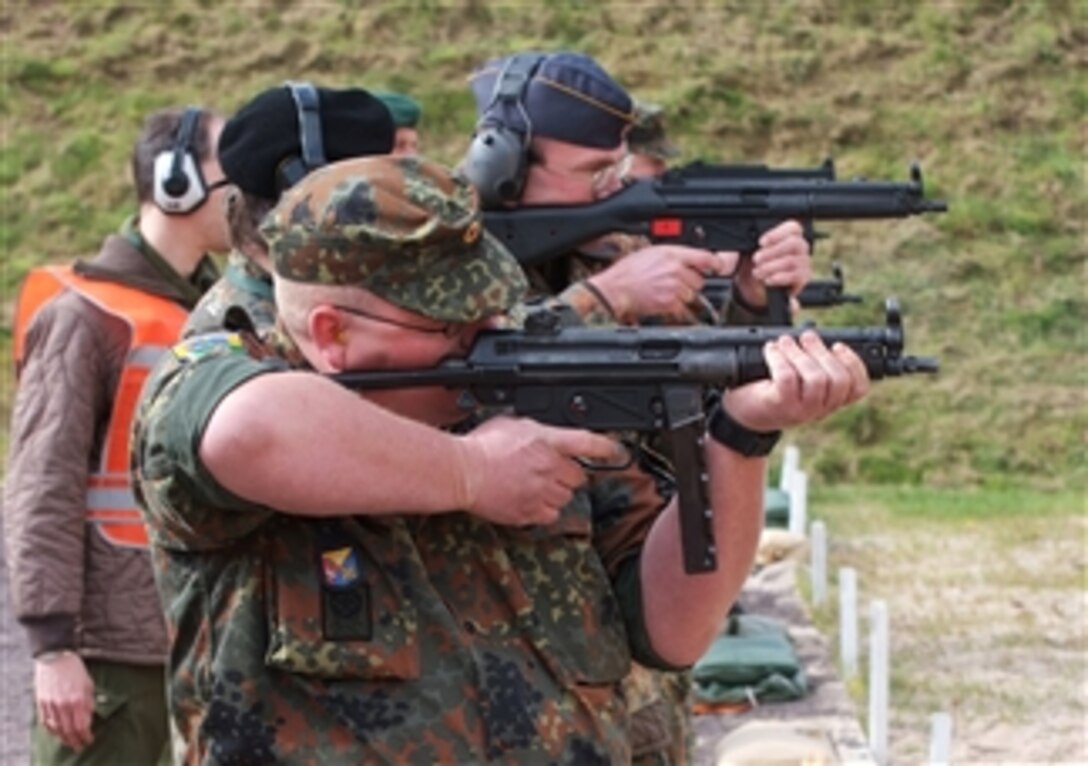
[242,299]
[440,639]
[661,731]
[391,639]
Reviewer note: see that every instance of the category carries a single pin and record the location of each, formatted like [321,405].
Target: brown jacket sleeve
[61,411]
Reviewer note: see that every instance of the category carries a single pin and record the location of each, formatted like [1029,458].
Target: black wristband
[599,296]
[729,433]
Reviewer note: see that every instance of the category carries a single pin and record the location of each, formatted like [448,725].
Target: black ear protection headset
[293,169]
[498,157]
[179,186]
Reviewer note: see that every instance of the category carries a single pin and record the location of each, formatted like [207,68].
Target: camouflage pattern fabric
[661,732]
[243,295]
[406,229]
[393,639]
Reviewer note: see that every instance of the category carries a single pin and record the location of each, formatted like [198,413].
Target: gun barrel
[919,364]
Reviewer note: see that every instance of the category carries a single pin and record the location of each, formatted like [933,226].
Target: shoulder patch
[216,343]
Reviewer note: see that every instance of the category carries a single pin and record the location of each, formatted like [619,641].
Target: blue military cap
[568,97]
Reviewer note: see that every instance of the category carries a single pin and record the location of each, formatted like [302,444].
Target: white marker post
[848,621]
[791,461]
[818,543]
[798,492]
[878,681]
[940,740]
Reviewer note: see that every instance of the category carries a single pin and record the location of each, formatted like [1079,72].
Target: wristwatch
[729,433]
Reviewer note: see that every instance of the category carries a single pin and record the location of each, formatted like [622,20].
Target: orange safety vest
[155,324]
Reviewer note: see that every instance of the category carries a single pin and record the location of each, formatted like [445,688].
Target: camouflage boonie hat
[405,229]
[647,135]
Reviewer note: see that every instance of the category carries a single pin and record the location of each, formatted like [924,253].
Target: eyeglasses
[601,180]
[217,185]
[618,172]
[449,329]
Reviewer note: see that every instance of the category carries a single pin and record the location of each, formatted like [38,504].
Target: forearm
[683,612]
[369,460]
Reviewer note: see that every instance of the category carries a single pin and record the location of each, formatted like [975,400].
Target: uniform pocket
[575,613]
[336,609]
[108,701]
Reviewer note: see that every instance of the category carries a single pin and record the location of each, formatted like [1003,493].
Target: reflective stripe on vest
[155,324]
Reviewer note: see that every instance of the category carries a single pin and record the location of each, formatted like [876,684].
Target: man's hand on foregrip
[808,381]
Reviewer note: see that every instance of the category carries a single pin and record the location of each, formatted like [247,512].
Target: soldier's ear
[330,334]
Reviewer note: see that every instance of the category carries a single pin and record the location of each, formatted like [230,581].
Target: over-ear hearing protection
[294,169]
[498,157]
[179,185]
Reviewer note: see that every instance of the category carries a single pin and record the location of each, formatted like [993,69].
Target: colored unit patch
[206,345]
[341,567]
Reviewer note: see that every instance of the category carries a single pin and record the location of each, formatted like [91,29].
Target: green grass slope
[990,97]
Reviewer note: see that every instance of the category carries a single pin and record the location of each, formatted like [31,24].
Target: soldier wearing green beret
[347,581]
[406,113]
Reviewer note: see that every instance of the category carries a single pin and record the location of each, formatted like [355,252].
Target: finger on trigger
[726,262]
[703,261]
[586,445]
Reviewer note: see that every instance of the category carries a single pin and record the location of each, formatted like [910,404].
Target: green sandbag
[753,660]
[776,508]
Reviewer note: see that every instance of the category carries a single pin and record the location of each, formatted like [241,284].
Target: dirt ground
[1008,662]
[990,625]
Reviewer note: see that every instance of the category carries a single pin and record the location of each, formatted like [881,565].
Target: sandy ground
[993,631]
[1009,664]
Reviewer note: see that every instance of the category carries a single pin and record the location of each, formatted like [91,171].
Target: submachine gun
[641,379]
[715,207]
